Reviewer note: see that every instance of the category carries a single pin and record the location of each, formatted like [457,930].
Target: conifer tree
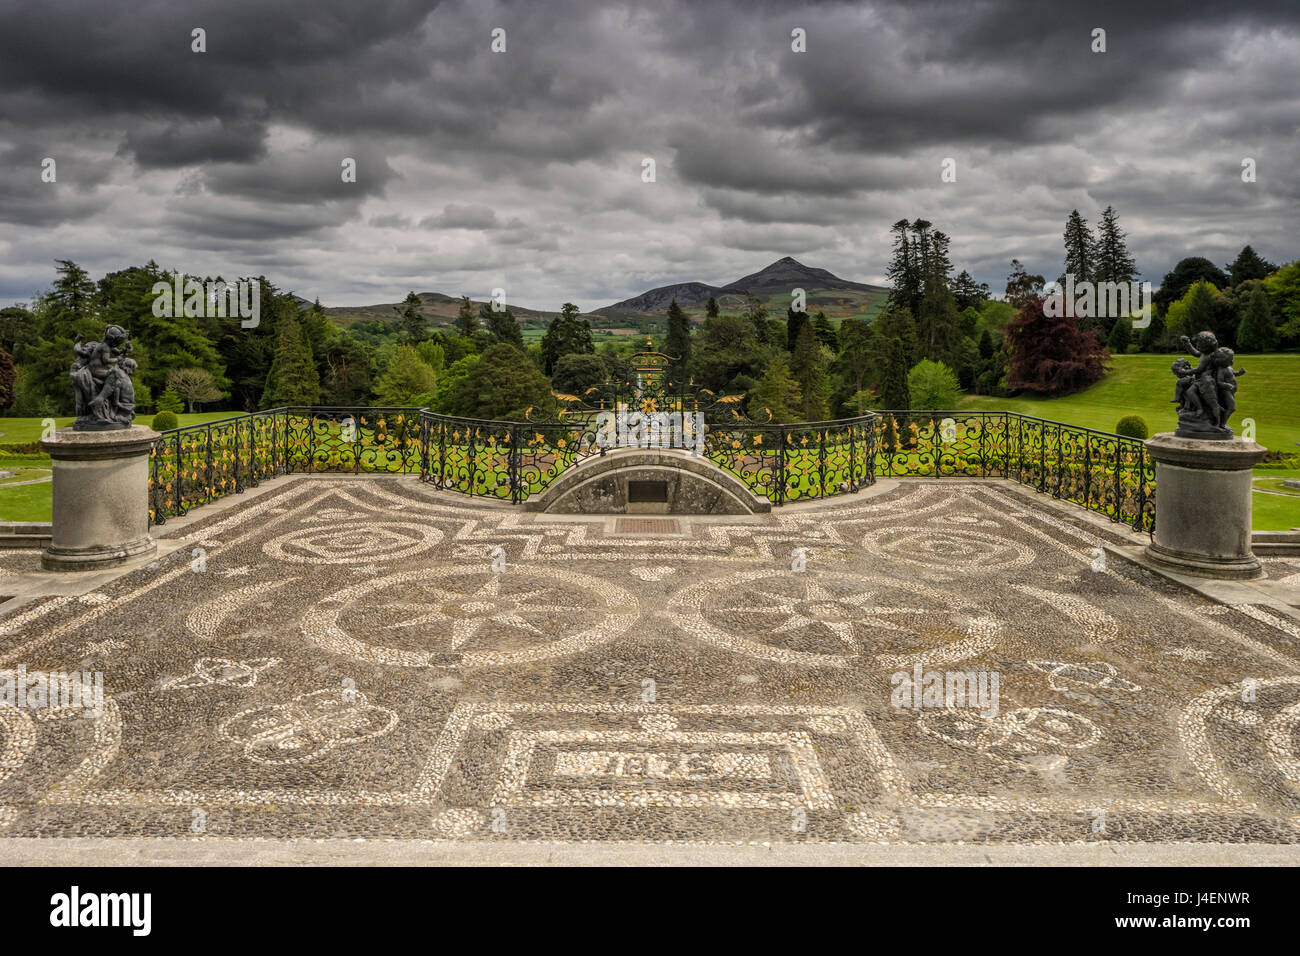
[414,328]
[777,394]
[1113,262]
[466,320]
[826,333]
[1258,331]
[293,379]
[502,324]
[1080,249]
[1121,335]
[1153,335]
[903,272]
[893,351]
[678,342]
[794,323]
[808,365]
[1248,265]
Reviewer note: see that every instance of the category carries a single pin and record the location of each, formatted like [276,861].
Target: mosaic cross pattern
[362,659]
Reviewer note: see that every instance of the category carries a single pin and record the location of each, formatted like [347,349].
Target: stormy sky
[523,169]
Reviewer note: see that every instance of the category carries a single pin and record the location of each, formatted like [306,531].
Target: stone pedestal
[101,498]
[1203,506]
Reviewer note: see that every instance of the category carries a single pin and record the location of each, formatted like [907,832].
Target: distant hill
[441,308]
[838,298]
[658,300]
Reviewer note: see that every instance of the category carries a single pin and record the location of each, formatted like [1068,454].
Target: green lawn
[32,502]
[20,431]
[26,502]
[23,473]
[1143,385]
[1275,512]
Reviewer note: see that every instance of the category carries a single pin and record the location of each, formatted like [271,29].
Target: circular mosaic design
[380,541]
[1027,730]
[1265,713]
[954,549]
[818,620]
[470,617]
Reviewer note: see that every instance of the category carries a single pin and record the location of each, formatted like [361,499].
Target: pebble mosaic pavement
[353,663]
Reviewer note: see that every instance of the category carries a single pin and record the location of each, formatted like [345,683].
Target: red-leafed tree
[1052,355]
[7,379]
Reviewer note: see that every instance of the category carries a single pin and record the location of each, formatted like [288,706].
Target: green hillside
[1143,385]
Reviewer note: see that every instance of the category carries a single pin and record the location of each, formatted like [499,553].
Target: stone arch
[641,481]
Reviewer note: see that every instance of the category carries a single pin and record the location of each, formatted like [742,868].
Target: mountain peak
[778,278]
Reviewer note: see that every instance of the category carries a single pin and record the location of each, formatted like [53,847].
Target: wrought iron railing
[512,460]
[197,464]
[1107,473]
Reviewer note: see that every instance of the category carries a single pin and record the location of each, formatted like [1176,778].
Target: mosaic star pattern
[365,659]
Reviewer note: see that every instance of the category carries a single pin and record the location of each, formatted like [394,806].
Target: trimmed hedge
[1132,426]
[165,421]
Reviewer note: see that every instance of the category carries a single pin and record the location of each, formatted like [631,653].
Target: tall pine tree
[904,272]
[414,328]
[794,323]
[808,365]
[1258,330]
[1113,262]
[678,343]
[1079,249]
[776,398]
[1249,265]
[466,320]
[503,325]
[893,353]
[293,379]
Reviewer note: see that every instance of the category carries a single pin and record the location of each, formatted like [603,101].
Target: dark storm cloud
[175,144]
[523,169]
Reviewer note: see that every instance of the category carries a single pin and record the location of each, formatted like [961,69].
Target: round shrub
[164,421]
[1132,426]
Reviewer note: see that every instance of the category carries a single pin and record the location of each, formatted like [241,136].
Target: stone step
[1275,544]
[25,534]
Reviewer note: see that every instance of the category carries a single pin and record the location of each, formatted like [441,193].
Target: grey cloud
[527,163]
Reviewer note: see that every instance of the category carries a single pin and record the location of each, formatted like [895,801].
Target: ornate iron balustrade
[192,466]
[1107,473]
[197,464]
[512,461]
[799,461]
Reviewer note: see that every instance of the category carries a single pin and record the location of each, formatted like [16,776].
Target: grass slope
[1143,385]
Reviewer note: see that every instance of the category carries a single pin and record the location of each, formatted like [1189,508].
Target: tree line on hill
[939,334]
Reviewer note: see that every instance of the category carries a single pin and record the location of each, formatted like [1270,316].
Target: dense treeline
[939,334]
